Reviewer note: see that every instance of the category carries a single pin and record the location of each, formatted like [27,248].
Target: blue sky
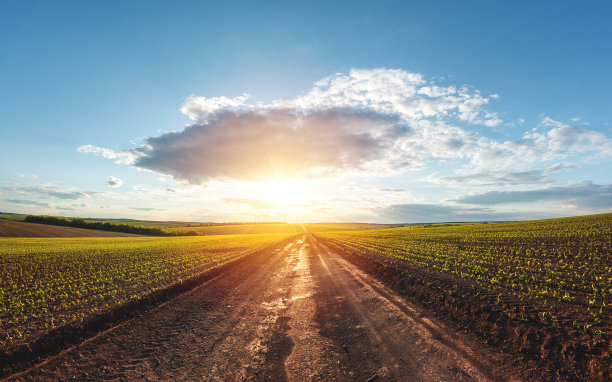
[369,111]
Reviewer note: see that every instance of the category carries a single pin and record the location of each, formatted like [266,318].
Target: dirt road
[301,313]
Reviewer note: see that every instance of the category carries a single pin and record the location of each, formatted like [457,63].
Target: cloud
[121,156]
[432,213]
[377,121]
[49,190]
[114,182]
[146,209]
[28,202]
[275,144]
[551,141]
[504,178]
[200,108]
[582,195]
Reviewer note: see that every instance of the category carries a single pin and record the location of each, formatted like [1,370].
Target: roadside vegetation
[541,289]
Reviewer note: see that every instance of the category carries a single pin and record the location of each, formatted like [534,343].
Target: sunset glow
[282,193]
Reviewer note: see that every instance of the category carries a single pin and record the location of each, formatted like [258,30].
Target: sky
[387,111]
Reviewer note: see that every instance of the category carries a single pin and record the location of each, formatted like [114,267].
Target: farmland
[10,228]
[542,289]
[535,295]
[16,225]
[50,283]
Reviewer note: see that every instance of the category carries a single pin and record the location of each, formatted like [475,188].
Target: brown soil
[545,350]
[10,228]
[297,313]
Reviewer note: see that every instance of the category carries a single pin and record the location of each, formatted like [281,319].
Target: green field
[554,275]
[560,261]
[50,282]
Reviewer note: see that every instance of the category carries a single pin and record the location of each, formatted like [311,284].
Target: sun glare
[281,193]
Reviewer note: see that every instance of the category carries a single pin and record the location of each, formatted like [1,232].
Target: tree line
[106,226]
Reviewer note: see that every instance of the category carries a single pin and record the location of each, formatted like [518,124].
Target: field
[9,228]
[50,283]
[12,225]
[541,289]
[294,228]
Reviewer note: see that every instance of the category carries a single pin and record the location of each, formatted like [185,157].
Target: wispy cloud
[28,202]
[503,178]
[49,190]
[430,213]
[121,156]
[582,195]
[146,209]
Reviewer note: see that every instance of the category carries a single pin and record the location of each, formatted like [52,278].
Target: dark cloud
[583,194]
[28,202]
[269,144]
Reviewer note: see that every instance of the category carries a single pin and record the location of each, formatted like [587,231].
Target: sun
[283,192]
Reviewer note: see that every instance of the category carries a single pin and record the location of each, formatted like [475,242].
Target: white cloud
[380,121]
[28,202]
[48,190]
[122,156]
[114,182]
[200,108]
[551,141]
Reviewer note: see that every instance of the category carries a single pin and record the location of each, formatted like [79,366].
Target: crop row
[47,283]
[560,269]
